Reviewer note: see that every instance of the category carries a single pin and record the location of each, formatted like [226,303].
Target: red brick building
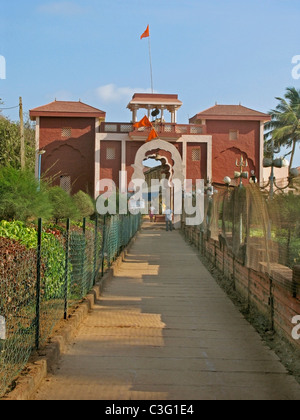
[67,132]
[235,130]
[82,147]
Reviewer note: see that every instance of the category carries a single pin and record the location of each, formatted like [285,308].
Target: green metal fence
[39,285]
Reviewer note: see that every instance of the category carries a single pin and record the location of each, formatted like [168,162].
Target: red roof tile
[155,99]
[230,111]
[66,108]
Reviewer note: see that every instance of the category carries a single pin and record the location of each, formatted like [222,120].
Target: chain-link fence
[42,279]
[258,230]
[252,241]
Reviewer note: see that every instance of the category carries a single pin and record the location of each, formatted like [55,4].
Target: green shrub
[53,259]
[21,197]
[17,276]
[84,204]
[63,205]
[18,231]
[10,144]
[53,255]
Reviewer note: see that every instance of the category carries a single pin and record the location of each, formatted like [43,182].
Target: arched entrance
[138,166]
[177,166]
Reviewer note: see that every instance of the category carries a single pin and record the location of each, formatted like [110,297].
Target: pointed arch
[138,166]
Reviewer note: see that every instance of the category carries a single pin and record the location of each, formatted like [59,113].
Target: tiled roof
[66,108]
[155,99]
[234,111]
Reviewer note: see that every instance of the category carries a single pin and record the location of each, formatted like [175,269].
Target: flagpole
[151,71]
[146,34]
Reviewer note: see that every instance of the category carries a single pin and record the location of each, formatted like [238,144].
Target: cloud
[112,93]
[66,8]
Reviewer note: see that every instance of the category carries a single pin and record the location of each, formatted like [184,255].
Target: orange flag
[146,34]
[143,123]
[153,135]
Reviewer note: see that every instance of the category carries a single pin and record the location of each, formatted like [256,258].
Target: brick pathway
[165,330]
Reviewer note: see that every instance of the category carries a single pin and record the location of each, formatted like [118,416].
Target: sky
[206,51]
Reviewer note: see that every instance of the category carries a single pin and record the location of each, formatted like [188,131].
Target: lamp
[277,163]
[227,180]
[241,174]
[40,154]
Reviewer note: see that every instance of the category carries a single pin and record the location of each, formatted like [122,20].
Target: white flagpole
[151,71]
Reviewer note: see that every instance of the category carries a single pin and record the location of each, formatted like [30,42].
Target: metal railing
[39,285]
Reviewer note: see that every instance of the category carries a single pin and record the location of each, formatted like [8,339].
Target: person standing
[152,214]
[169,219]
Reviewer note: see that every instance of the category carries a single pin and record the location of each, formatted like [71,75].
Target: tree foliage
[10,144]
[284,128]
[21,197]
[84,204]
[63,205]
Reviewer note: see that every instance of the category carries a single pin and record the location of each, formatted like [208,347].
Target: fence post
[296,280]
[233,272]
[67,269]
[83,259]
[38,285]
[103,246]
[249,289]
[271,303]
[84,225]
[95,249]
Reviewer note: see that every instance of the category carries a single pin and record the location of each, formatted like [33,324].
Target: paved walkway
[165,330]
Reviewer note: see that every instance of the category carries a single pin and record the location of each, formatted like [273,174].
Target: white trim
[37,146]
[189,138]
[261,154]
[123,181]
[97,165]
[198,139]
[179,166]
[124,138]
[184,158]
[97,125]
[97,151]
[209,158]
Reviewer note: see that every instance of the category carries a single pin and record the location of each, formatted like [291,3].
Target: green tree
[10,143]
[20,196]
[84,204]
[284,128]
[64,206]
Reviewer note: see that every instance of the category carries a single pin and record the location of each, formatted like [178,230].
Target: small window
[233,135]
[196,155]
[110,153]
[65,183]
[66,132]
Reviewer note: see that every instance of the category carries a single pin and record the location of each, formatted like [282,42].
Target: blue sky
[224,51]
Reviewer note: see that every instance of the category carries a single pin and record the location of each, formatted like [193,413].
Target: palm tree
[284,128]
